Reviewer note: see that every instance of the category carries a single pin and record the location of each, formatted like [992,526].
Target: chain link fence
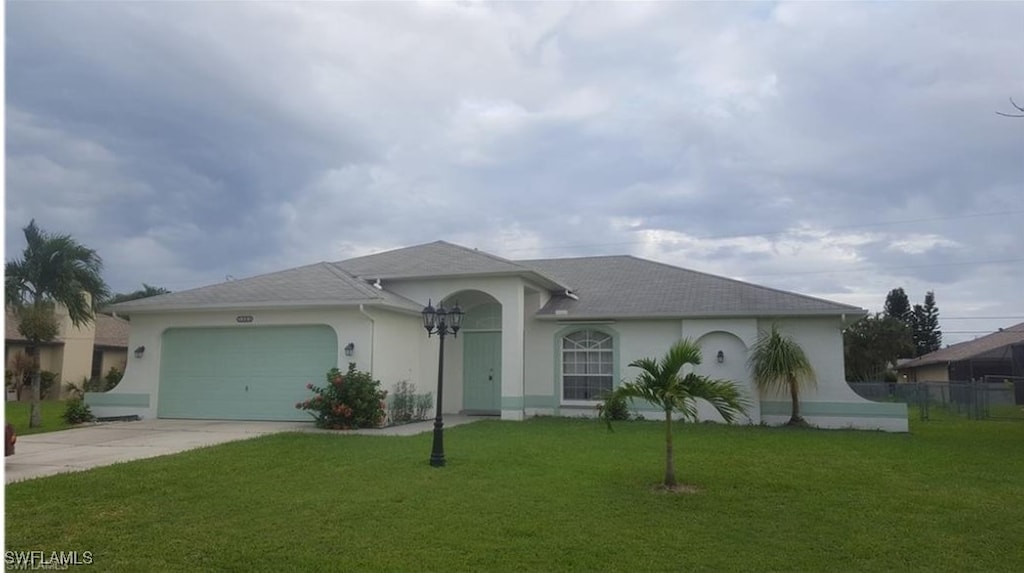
[991,398]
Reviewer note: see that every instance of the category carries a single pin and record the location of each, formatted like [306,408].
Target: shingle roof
[320,284]
[971,348]
[607,287]
[110,330]
[626,286]
[436,260]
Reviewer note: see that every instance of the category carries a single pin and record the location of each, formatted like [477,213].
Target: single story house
[998,354]
[539,337]
[88,351]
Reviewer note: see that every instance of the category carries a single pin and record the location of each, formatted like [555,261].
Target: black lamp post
[440,321]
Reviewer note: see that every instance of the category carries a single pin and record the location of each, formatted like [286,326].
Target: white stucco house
[540,337]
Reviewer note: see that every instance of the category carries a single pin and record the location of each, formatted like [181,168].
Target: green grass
[550,495]
[18,412]
[1011,411]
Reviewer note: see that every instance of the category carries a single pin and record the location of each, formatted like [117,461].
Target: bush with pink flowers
[348,401]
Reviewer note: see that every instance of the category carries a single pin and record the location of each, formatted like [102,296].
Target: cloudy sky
[837,150]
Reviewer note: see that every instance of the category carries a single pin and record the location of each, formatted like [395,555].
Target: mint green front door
[243,373]
[481,372]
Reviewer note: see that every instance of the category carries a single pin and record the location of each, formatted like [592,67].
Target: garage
[242,373]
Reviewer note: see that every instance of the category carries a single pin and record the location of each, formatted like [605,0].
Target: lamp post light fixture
[440,321]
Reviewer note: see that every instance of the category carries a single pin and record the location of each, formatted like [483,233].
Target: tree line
[873,345]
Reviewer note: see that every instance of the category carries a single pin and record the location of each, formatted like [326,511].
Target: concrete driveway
[77,449]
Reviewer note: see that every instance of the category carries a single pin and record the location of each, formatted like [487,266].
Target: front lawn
[550,495]
[53,411]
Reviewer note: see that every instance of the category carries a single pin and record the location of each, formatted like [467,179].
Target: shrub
[424,402]
[113,378]
[20,374]
[616,406]
[95,385]
[77,412]
[406,405]
[74,391]
[350,400]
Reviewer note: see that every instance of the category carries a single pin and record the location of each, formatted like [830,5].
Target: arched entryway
[481,353]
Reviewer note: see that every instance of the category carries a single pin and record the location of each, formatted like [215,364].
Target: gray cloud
[837,150]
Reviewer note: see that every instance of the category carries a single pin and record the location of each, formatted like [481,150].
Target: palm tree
[778,364]
[661,384]
[53,269]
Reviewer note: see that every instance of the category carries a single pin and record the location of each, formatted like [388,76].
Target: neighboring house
[998,354]
[540,337]
[77,353]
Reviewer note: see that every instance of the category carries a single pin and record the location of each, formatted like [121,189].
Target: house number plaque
[244,318]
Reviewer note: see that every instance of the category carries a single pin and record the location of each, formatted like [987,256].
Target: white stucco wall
[634,339]
[138,394]
[394,354]
[733,337]
[394,346]
[508,291]
[832,404]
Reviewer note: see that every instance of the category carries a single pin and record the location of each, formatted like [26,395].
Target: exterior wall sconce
[720,357]
[350,349]
[140,351]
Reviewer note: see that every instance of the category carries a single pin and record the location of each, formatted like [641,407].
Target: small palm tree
[661,384]
[778,364]
[53,269]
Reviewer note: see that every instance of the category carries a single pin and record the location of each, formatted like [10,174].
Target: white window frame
[598,352]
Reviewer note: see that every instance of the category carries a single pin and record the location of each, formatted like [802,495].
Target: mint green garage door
[245,373]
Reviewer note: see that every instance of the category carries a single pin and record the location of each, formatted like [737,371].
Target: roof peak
[439,259]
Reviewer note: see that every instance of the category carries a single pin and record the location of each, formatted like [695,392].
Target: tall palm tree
[778,364]
[661,384]
[53,269]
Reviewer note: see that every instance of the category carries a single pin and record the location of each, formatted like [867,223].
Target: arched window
[587,365]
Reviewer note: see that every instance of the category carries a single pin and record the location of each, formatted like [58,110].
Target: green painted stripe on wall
[113,399]
[837,409]
[511,402]
[542,401]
